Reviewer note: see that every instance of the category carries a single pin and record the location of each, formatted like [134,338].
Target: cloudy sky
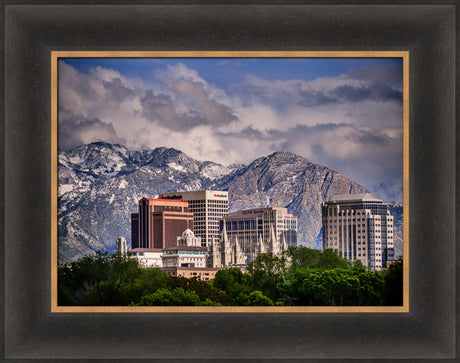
[345,114]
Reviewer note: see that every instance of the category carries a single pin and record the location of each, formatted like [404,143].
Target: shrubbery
[300,276]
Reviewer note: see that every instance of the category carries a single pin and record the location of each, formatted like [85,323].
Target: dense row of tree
[300,276]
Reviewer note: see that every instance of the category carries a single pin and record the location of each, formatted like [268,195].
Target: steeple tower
[273,241]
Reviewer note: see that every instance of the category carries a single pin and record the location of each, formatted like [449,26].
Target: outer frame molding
[56,55]
[31,330]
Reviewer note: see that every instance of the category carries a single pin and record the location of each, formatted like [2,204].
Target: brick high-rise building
[159,222]
[360,227]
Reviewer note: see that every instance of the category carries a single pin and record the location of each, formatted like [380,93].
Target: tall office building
[134,230]
[120,246]
[208,208]
[159,222]
[270,229]
[360,227]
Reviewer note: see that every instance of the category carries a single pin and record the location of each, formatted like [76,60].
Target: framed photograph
[107,75]
[233,111]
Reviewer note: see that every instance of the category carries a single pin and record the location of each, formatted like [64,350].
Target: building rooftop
[196,191]
[362,197]
[165,200]
[249,213]
[145,250]
[194,195]
[186,248]
[191,268]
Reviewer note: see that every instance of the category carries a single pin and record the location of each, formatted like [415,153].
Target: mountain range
[100,185]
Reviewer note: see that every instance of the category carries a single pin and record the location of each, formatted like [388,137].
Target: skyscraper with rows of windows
[208,208]
[360,227]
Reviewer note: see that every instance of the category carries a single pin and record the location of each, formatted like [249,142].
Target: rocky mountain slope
[288,180]
[100,185]
[396,210]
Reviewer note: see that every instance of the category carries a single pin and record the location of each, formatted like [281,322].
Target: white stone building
[187,253]
[225,252]
[120,246]
[147,257]
[269,229]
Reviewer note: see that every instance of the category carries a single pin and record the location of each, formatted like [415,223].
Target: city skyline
[343,113]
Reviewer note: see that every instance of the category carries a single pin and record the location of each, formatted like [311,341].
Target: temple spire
[273,240]
[224,233]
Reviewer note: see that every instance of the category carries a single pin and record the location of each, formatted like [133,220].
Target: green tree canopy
[303,257]
[165,297]
[300,276]
[204,289]
[233,281]
[338,287]
[106,280]
[255,298]
[268,273]
[393,295]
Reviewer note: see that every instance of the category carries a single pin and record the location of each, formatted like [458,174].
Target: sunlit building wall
[360,227]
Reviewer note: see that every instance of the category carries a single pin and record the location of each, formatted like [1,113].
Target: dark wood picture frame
[32,330]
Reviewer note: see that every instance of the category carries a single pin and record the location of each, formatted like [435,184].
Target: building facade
[260,230]
[159,222]
[208,208]
[205,273]
[135,230]
[147,257]
[187,253]
[225,252]
[360,227]
[121,247]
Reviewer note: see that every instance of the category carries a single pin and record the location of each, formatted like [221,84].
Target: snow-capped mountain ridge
[100,185]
